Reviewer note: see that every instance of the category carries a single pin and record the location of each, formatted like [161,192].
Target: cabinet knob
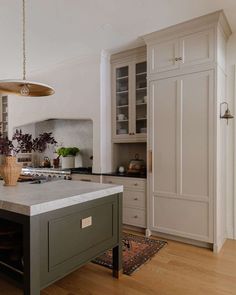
[109,181]
[135,184]
[135,199]
[136,216]
[178,58]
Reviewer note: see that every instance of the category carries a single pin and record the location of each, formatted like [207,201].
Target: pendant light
[227,115]
[24,87]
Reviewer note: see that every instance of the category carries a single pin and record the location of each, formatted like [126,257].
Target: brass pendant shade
[24,87]
[227,115]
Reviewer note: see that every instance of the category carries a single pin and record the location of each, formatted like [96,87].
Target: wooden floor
[177,269]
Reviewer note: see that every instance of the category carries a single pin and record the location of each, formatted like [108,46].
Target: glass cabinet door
[141,97]
[122,100]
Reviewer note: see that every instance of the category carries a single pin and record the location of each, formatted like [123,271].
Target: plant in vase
[10,170]
[68,156]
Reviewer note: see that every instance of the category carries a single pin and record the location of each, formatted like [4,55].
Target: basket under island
[63,225]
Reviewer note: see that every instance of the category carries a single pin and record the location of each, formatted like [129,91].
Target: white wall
[231,209]
[78,96]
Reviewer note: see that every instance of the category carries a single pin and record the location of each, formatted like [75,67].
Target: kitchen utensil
[136,166]
[46,162]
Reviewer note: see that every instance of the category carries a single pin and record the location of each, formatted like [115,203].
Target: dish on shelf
[122,131]
[121,117]
[143,130]
[139,101]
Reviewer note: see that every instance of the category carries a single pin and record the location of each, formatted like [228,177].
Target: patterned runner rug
[137,250]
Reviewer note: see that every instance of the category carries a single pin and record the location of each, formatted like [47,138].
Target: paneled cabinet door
[182,145]
[197,48]
[163,56]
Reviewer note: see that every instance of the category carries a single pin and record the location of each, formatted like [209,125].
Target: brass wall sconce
[227,115]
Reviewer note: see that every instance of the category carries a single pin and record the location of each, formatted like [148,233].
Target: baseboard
[230,234]
[173,238]
[134,228]
[217,247]
[182,240]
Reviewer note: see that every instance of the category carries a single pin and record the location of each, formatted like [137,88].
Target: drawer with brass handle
[134,199]
[127,182]
[135,217]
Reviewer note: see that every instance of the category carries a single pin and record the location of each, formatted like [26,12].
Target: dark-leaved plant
[24,143]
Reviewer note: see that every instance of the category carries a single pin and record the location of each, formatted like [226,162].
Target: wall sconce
[227,115]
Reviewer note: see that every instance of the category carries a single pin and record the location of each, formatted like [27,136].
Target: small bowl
[122,131]
[143,130]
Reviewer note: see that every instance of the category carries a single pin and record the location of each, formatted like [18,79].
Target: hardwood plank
[177,269]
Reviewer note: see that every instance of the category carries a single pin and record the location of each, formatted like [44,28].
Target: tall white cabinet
[186,83]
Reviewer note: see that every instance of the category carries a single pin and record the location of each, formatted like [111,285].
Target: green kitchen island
[64,225]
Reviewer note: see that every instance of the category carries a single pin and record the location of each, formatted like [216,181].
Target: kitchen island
[64,224]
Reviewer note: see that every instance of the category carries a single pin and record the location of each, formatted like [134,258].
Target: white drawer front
[127,182]
[86,177]
[134,199]
[136,217]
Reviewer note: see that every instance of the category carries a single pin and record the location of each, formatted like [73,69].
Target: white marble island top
[34,199]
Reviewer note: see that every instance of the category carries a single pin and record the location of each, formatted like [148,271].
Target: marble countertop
[34,199]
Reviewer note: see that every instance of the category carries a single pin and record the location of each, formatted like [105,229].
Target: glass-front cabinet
[129,96]
[4,115]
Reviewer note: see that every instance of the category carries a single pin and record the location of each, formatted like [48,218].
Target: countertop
[34,199]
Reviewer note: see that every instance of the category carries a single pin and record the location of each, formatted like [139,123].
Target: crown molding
[208,20]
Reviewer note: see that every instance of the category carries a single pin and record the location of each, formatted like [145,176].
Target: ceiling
[59,30]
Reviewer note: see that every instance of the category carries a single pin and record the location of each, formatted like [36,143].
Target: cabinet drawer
[134,199]
[86,177]
[136,217]
[139,184]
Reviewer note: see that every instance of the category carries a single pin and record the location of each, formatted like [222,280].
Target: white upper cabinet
[163,56]
[187,51]
[129,96]
[196,48]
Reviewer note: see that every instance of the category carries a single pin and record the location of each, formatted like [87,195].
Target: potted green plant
[68,156]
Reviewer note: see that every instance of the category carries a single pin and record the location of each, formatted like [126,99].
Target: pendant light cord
[23,35]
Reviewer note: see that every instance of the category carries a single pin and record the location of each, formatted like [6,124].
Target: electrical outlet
[86,222]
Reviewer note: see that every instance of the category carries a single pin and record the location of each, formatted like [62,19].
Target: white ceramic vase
[68,162]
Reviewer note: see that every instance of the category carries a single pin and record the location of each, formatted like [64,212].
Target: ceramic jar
[68,162]
[10,171]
